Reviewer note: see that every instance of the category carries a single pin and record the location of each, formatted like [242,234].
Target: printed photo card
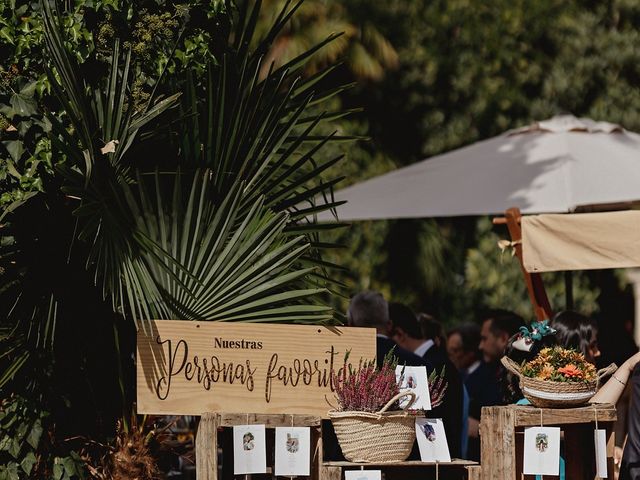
[541,451]
[249,449]
[363,475]
[414,379]
[293,451]
[432,440]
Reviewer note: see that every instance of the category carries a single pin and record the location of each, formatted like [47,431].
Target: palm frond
[228,260]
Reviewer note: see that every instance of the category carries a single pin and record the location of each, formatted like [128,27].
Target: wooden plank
[330,473]
[611,443]
[455,462]
[474,472]
[207,448]
[535,286]
[526,416]
[497,443]
[188,368]
[268,420]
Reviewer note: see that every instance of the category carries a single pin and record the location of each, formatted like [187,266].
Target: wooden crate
[502,438]
[410,469]
[208,441]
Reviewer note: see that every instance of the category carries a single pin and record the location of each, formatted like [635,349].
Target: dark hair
[511,392]
[470,336]
[574,330]
[503,321]
[403,317]
[430,327]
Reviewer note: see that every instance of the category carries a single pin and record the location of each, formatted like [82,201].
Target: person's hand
[632,361]
[617,459]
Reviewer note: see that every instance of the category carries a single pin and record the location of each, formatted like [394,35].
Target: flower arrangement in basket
[369,423]
[557,377]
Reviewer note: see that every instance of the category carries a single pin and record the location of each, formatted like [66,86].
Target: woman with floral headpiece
[578,332]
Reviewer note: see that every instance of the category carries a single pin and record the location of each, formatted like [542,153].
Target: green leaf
[33,438]
[58,470]
[15,149]
[23,105]
[14,448]
[28,462]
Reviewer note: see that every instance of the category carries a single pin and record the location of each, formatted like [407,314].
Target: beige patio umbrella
[553,166]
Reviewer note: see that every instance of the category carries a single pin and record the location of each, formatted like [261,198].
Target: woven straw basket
[550,394]
[376,437]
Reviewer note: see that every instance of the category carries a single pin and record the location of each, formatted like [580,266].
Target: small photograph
[541,451]
[415,380]
[293,443]
[248,441]
[363,475]
[429,432]
[542,442]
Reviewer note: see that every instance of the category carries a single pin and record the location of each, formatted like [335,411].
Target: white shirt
[473,367]
[424,348]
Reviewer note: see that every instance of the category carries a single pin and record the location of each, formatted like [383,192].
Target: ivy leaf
[58,470]
[5,442]
[15,149]
[34,435]
[29,89]
[23,105]
[10,472]
[28,462]
[14,448]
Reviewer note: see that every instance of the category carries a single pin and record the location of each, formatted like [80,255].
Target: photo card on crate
[363,475]
[249,449]
[432,440]
[293,451]
[414,379]
[600,450]
[541,451]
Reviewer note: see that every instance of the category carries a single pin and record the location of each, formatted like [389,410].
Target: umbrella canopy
[553,166]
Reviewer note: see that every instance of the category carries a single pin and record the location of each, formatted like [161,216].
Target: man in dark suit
[408,334]
[370,309]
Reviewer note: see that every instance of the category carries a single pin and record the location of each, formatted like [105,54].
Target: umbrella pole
[535,287]
[568,290]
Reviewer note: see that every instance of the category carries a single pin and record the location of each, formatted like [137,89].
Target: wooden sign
[189,368]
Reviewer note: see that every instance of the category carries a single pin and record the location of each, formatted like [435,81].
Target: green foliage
[160,34]
[201,214]
[23,437]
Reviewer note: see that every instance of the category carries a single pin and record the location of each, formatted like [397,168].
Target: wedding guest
[370,309]
[498,326]
[462,347]
[407,334]
[578,332]
[432,328]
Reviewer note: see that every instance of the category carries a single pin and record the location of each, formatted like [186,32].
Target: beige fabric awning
[584,241]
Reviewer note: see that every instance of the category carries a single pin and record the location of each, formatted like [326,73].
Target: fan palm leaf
[221,238]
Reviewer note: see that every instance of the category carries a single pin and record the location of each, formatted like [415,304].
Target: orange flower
[571,371]
[546,372]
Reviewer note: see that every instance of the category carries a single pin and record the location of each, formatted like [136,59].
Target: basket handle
[511,365]
[398,397]
[603,372]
